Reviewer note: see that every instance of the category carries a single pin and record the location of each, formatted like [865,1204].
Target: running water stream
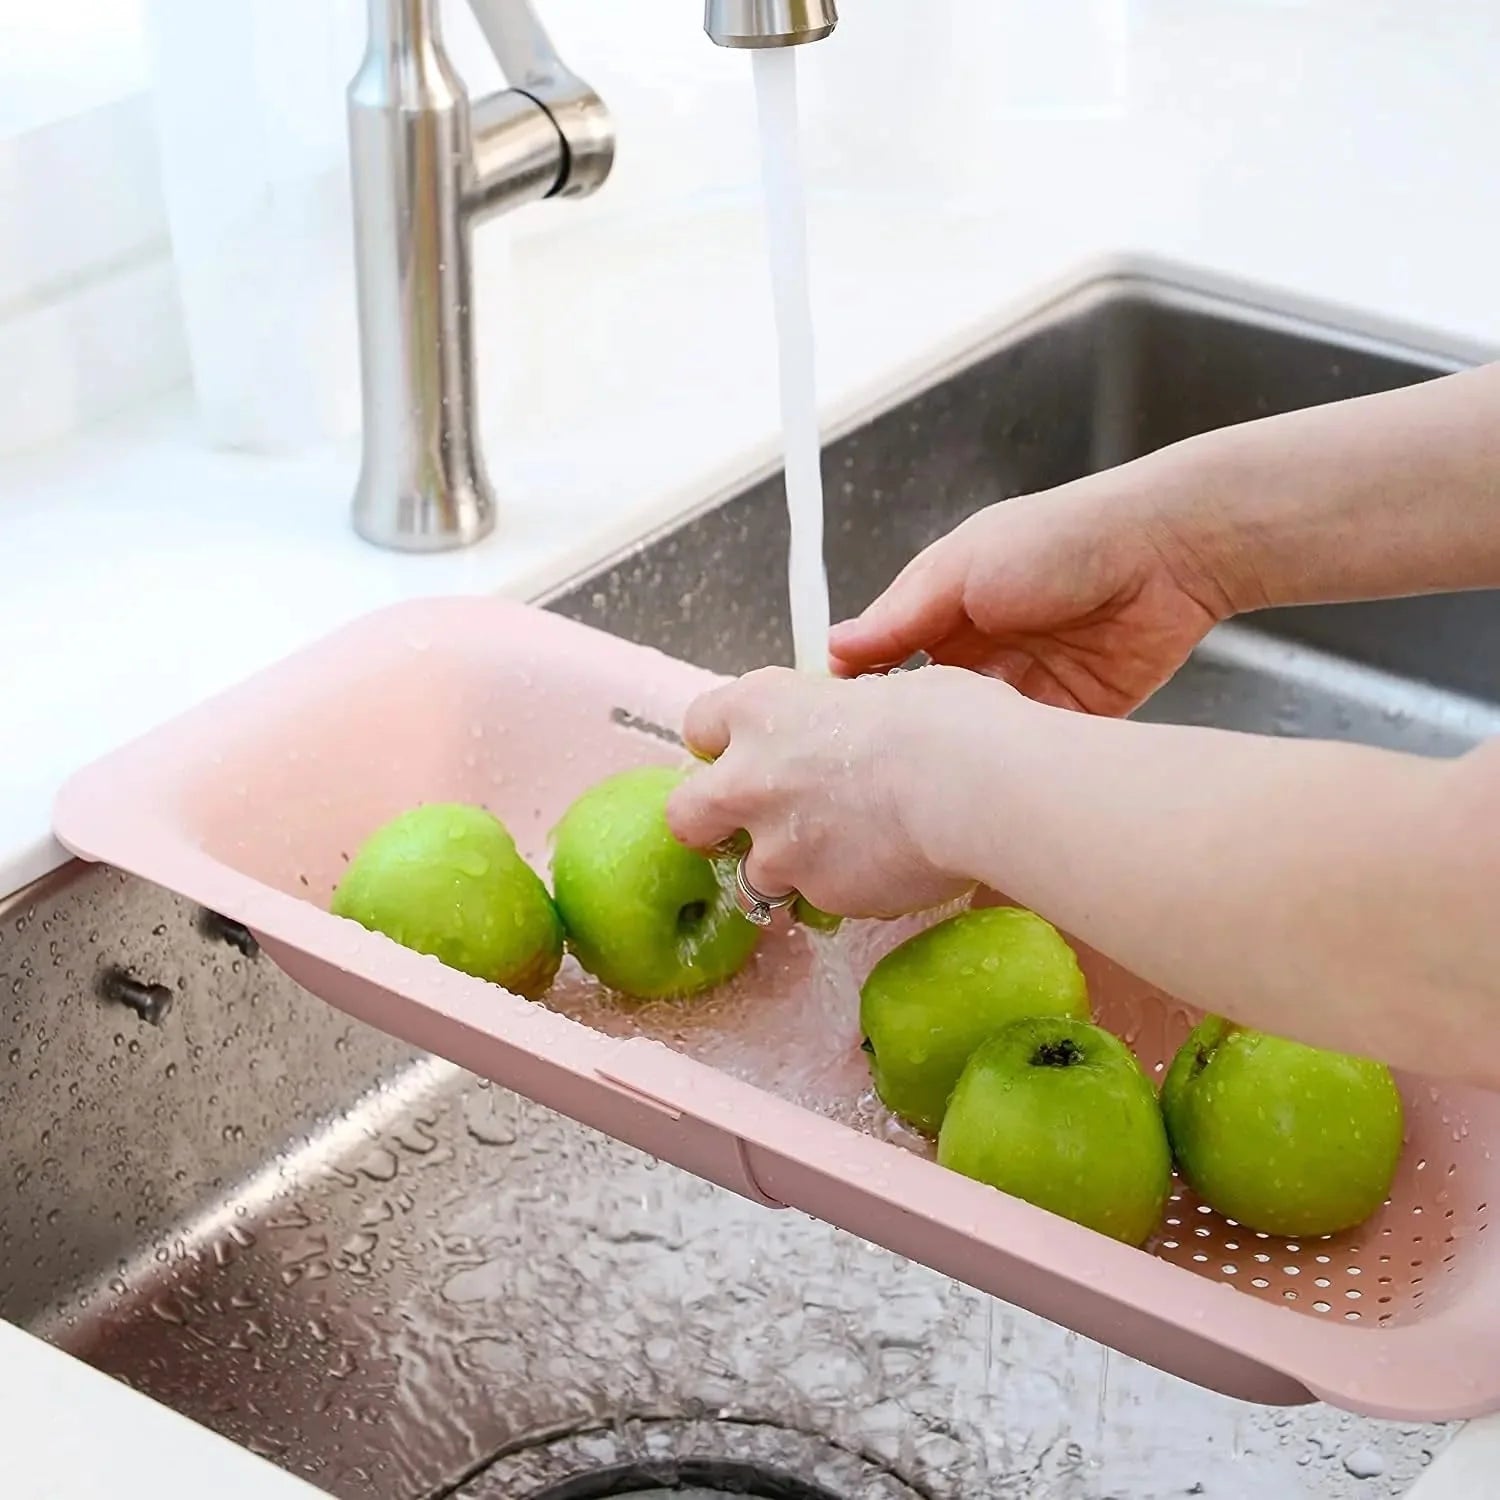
[786,237]
[807,577]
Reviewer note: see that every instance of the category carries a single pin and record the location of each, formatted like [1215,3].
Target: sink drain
[687,1460]
[693,1481]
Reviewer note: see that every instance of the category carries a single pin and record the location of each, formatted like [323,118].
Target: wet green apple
[643,914]
[815,917]
[447,879]
[931,1001]
[1058,1112]
[1280,1137]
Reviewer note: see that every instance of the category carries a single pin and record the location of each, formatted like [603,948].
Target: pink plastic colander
[252,803]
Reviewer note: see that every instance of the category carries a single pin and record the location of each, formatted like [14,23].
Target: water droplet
[1364,1463]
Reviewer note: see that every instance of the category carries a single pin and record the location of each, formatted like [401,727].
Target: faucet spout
[427,165]
[768,23]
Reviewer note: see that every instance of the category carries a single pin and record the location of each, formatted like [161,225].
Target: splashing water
[786,238]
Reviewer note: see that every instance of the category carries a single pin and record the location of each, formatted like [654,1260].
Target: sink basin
[398,1281]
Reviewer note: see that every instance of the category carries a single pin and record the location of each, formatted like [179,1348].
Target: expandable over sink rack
[251,803]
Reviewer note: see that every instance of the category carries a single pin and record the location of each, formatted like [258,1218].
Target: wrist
[1193,505]
[948,757]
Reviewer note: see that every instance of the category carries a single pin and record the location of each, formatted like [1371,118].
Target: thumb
[922,607]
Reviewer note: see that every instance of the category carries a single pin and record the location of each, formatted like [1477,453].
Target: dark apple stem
[1063,1054]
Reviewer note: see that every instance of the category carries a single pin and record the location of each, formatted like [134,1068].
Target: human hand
[840,785]
[1081,598]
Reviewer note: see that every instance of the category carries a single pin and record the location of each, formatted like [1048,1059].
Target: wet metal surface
[396,1280]
[696,1457]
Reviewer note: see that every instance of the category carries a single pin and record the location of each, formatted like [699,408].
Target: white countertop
[1341,151]
[67,1433]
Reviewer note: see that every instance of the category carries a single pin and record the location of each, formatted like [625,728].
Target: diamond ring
[756,905]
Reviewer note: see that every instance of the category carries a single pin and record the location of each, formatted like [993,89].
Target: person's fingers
[770,867]
[705,812]
[705,728]
[710,721]
[701,810]
[966,647]
[711,809]
[925,604]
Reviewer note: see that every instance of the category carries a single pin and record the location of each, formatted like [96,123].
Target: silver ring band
[756,905]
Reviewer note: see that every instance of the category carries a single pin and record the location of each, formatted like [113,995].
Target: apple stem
[1063,1054]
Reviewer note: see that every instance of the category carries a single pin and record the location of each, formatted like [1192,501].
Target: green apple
[1280,1137]
[1058,1112]
[643,914]
[931,1001]
[815,917]
[446,879]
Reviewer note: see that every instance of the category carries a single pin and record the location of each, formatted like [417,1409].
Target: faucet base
[427,522]
[427,165]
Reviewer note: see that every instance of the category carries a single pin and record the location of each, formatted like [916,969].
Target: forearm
[1386,495]
[1336,894]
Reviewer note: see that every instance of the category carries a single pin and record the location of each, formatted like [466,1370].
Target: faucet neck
[406,41]
[403,23]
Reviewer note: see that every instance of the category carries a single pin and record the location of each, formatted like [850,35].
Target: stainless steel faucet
[428,165]
[768,23]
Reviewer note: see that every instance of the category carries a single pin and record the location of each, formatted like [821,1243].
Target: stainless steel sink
[400,1282]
